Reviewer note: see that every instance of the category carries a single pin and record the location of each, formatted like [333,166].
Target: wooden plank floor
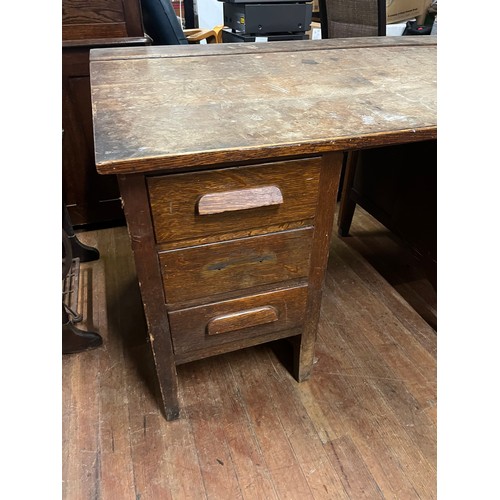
[395,262]
[364,425]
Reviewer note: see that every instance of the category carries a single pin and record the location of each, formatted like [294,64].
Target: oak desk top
[175,106]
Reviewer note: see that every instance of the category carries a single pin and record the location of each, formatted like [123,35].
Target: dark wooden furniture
[398,186]
[90,198]
[73,252]
[229,182]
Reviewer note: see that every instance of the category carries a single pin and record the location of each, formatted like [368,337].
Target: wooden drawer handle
[240,199]
[241,319]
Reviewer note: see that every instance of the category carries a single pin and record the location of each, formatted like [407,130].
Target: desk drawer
[234,321]
[207,270]
[203,207]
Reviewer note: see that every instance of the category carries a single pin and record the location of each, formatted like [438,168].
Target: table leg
[140,227]
[329,184]
[347,205]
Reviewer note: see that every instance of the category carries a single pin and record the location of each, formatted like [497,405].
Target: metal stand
[73,339]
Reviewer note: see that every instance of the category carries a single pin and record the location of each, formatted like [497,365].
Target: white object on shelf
[396,29]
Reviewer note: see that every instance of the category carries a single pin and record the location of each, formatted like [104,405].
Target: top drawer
[216,205]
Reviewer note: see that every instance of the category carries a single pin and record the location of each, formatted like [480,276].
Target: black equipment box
[267,18]
[264,1]
[230,37]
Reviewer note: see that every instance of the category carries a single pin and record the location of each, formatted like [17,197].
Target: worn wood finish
[136,208]
[329,182]
[242,269]
[144,128]
[239,199]
[297,46]
[175,201]
[360,97]
[242,319]
[283,310]
[364,426]
[204,272]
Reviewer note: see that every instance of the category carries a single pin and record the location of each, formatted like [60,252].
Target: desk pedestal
[230,257]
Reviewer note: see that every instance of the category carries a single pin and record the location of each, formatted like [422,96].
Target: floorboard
[363,426]
[395,262]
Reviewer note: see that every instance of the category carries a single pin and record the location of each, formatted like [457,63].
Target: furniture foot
[288,352]
[303,361]
[345,224]
[78,249]
[75,340]
[82,251]
[171,413]
[167,378]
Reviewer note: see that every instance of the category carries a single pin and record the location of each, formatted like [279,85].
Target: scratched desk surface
[168,107]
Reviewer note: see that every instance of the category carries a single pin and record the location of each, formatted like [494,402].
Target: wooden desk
[228,160]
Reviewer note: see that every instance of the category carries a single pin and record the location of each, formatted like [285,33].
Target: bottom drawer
[233,321]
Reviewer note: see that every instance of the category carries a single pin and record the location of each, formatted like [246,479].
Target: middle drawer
[210,270]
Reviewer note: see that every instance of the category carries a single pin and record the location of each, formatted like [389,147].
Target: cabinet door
[90,197]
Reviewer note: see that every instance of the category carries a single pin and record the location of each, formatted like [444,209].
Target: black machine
[266,20]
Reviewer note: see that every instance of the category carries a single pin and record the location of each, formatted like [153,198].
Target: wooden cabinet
[90,198]
[235,262]
[230,257]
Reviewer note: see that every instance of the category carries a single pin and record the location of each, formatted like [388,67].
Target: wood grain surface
[247,103]
[206,271]
[364,426]
[285,310]
[175,200]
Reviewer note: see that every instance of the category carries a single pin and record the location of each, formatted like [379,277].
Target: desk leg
[329,185]
[347,205]
[136,207]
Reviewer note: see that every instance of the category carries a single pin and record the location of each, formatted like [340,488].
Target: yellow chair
[195,35]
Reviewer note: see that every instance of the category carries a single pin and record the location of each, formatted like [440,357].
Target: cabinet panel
[90,197]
